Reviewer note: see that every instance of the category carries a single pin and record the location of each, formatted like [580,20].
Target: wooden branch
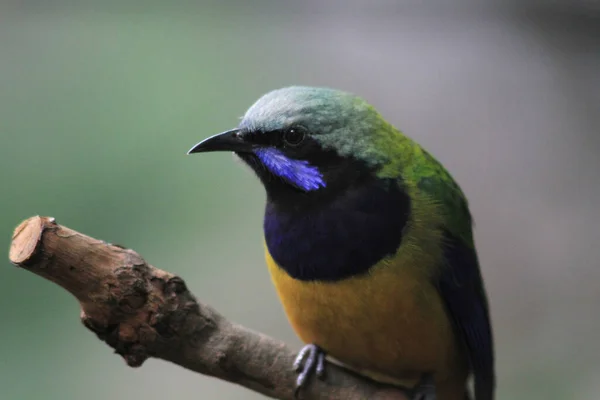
[143,312]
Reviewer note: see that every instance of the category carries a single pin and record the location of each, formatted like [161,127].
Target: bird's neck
[339,236]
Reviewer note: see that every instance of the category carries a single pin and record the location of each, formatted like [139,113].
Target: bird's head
[309,141]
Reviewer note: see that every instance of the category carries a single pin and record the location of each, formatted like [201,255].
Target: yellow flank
[389,324]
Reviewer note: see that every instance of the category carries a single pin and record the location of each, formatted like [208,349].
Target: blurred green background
[99,101]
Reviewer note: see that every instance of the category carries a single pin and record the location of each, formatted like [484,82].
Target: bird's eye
[293,136]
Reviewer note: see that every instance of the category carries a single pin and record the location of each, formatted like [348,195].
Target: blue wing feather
[461,287]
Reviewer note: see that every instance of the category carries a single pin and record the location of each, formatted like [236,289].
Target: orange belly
[389,324]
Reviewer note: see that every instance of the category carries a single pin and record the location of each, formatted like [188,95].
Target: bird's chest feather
[390,322]
[347,285]
[342,238]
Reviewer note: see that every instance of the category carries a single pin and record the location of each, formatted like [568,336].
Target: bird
[369,243]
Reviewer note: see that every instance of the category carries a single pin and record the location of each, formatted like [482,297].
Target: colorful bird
[369,244]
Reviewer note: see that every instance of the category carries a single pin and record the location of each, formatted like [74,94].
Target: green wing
[460,283]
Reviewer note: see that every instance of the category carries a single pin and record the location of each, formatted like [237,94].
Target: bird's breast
[342,238]
[354,278]
[387,323]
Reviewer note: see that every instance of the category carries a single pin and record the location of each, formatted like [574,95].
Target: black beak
[227,141]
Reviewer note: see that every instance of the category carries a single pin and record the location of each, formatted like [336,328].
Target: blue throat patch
[298,173]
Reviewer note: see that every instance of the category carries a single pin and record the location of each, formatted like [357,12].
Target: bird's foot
[311,358]
[425,390]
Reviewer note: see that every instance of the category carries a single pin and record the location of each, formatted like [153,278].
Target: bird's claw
[425,390]
[310,358]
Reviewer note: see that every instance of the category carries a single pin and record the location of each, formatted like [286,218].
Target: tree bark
[141,312]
